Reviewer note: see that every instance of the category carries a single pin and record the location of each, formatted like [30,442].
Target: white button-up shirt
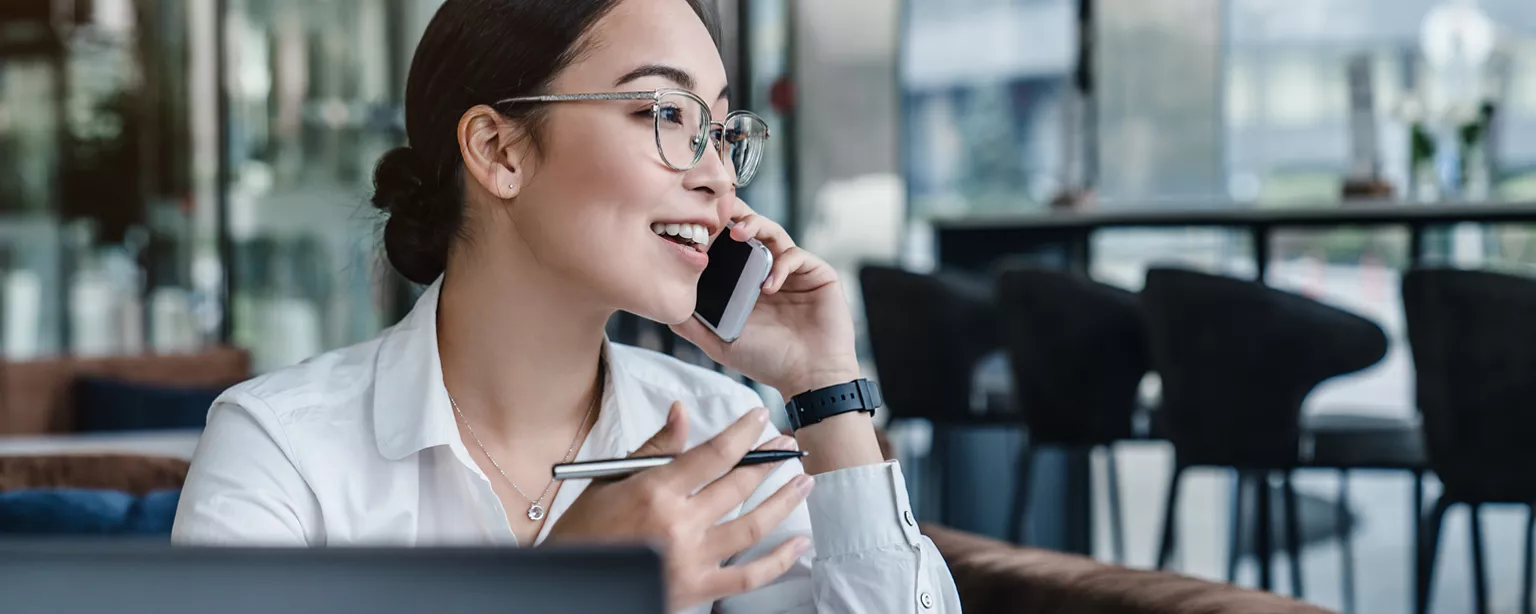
[359,446]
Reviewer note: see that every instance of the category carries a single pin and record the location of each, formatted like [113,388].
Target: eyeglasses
[684,127]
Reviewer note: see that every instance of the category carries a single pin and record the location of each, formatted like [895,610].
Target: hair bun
[418,233]
[398,180]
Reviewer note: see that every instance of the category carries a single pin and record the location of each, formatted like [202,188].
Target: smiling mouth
[688,235]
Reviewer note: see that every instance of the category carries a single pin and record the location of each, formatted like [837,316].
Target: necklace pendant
[535,512]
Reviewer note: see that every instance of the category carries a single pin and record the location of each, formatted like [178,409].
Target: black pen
[619,467]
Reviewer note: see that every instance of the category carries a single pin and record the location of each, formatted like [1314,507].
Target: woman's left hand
[799,337]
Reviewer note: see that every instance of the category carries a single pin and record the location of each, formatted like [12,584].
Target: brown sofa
[133,474]
[35,394]
[995,577]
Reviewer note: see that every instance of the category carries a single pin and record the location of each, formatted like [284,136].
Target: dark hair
[473,52]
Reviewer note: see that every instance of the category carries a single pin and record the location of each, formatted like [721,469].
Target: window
[985,113]
[315,104]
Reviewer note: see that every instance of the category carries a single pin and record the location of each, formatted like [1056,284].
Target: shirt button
[926,599]
[907,515]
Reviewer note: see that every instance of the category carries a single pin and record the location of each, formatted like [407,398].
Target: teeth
[695,233]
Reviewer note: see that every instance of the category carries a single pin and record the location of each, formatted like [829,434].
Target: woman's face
[598,185]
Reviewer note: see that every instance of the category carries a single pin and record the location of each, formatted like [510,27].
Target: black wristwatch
[811,407]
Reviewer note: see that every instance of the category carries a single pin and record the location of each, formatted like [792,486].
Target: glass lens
[743,141]
[681,125]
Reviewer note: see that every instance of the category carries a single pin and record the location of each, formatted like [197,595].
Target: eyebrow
[670,73]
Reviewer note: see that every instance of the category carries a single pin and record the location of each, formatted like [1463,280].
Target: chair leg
[1293,543]
[1170,505]
[1235,519]
[939,456]
[1429,544]
[1263,549]
[1018,518]
[1416,513]
[1116,521]
[1479,573]
[1347,542]
[1530,561]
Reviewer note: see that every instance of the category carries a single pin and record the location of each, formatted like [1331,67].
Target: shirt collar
[411,411]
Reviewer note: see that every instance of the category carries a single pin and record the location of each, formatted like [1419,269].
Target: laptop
[131,577]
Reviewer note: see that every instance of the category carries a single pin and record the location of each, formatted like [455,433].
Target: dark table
[976,243]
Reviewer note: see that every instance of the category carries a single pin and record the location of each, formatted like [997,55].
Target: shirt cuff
[860,509]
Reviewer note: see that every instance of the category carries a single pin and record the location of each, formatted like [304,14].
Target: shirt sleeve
[867,557]
[243,487]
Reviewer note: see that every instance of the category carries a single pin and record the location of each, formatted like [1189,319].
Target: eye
[670,114]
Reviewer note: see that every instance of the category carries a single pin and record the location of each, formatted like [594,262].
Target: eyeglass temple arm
[566,97]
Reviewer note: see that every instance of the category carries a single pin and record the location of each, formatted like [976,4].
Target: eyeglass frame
[655,97]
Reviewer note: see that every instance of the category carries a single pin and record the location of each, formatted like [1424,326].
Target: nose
[711,175]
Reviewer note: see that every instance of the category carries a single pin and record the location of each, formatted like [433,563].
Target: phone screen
[727,259]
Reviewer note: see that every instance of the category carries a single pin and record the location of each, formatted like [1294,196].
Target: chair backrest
[1237,359]
[1078,351]
[927,332]
[1473,336]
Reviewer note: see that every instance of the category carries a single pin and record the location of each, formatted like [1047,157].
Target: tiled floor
[1382,541]
[1381,532]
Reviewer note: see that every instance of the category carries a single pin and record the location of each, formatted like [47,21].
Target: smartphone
[731,283]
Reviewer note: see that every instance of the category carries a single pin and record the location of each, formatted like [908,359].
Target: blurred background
[179,177]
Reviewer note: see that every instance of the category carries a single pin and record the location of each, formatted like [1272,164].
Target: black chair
[1237,359]
[1473,336]
[927,334]
[1078,353]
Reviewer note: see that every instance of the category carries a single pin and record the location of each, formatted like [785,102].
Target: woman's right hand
[678,508]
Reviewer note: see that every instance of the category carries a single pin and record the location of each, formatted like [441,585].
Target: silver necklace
[535,506]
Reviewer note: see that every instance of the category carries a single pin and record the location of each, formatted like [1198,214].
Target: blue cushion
[113,405]
[67,511]
[155,513]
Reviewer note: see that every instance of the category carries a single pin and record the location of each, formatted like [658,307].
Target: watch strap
[808,408]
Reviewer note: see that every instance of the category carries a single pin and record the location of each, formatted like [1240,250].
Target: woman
[534,210]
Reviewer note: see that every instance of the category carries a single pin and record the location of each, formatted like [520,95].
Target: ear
[494,151]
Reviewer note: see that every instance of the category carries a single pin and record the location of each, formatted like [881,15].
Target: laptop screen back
[134,577]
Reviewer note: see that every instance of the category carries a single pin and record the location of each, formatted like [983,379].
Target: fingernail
[759,415]
[803,546]
[782,442]
[805,483]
